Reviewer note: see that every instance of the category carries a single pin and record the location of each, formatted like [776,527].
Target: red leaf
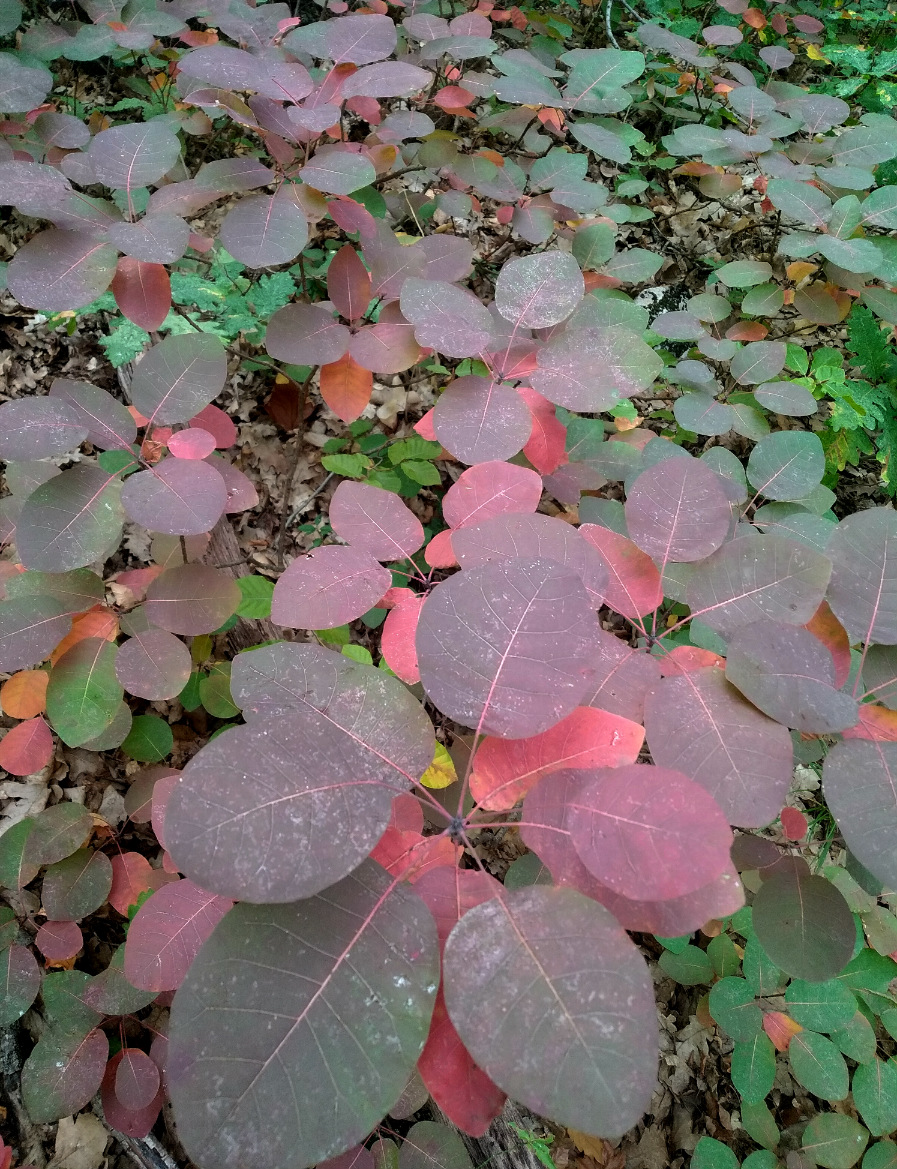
[545,447]
[191,443]
[407,814]
[449,893]
[747,331]
[825,626]
[794,823]
[346,387]
[634,588]
[452,97]
[352,216]
[166,934]
[137,1079]
[283,405]
[504,770]
[462,1090]
[133,1123]
[504,215]
[349,284]
[410,855]
[131,876]
[780,1028]
[26,748]
[438,553]
[491,489]
[755,18]
[142,291]
[685,659]
[217,423]
[59,940]
[425,427]
[397,639]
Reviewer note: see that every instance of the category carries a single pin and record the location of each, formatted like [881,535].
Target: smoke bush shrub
[322,943]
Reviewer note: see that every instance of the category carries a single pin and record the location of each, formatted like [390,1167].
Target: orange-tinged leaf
[685,659]
[747,331]
[492,156]
[754,17]
[695,168]
[410,854]
[24,695]
[504,770]
[132,874]
[634,586]
[781,1029]
[453,97]
[346,387]
[826,627]
[382,156]
[96,622]
[876,722]
[799,270]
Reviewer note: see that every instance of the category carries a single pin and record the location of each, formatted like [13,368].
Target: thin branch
[294,465]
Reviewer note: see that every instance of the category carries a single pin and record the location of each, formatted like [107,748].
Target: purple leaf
[548,950]
[387,79]
[263,231]
[109,423]
[534,537]
[191,598]
[759,361]
[338,172]
[230,68]
[153,664]
[328,587]
[766,577]
[863,589]
[776,56]
[32,184]
[789,674]
[491,489]
[702,414]
[386,347]
[360,39]
[648,833]
[375,521]
[167,933]
[448,257]
[181,497]
[479,420]
[134,155]
[590,369]
[786,398]
[178,377]
[241,492]
[859,783]
[71,520]
[804,925]
[507,648]
[39,428]
[680,326]
[700,725]
[677,511]
[458,48]
[155,239]
[800,201]
[254,1048]
[231,175]
[306,334]
[63,1072]
[136,1079]
[61,270]
[537,291]
[624,677]
[448,319]
[20,980]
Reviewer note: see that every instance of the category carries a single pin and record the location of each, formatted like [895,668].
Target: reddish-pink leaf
[624,677]
[397,639]
[131,876]
[217,423]
[439,552]
[505,770]
[407,814]
[180,497]
[193,443]
[875,722]
[26,748]
[59,941]
[330,586]
[425,426]
[677,511]
[136,1079]
[479,420]
[825,626]
[387,347]
[545,448]
[162,790]
[462,1090]
[453,97]
[491,489]
[634,586]
[410,855]
[346,387]
[166,934]
[450,892]
[349,284]
[794,823]
[648,833]
[351,216]
[142,291]
[685,659]
[375,521]
[133,1123]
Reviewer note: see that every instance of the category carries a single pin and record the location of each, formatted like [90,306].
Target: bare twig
[294,465]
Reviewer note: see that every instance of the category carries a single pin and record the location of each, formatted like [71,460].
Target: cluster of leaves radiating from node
[323,948]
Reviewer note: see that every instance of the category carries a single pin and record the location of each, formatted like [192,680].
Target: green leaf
[818,1065]
[760,1159]
[690,967]
[63,1008]
[834,1141]
[150,739]
[256,593]
[114,462]
[358,653]
[125,342]
[820,1006]
[759,1124]
[189,697]
[675,945]
[760,970]
[754,1068]
[868,342]
[797,359]
[340,635]
[426,474]
[881,1156]
[732,1004]
[857,1040]
[413,448]
[713,1154]
[350,466]
[869,971]
[83,693]
[875,1095]
[214,690]
[722,953]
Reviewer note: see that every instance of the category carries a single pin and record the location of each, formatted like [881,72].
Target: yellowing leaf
[815,54]
[441,772]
